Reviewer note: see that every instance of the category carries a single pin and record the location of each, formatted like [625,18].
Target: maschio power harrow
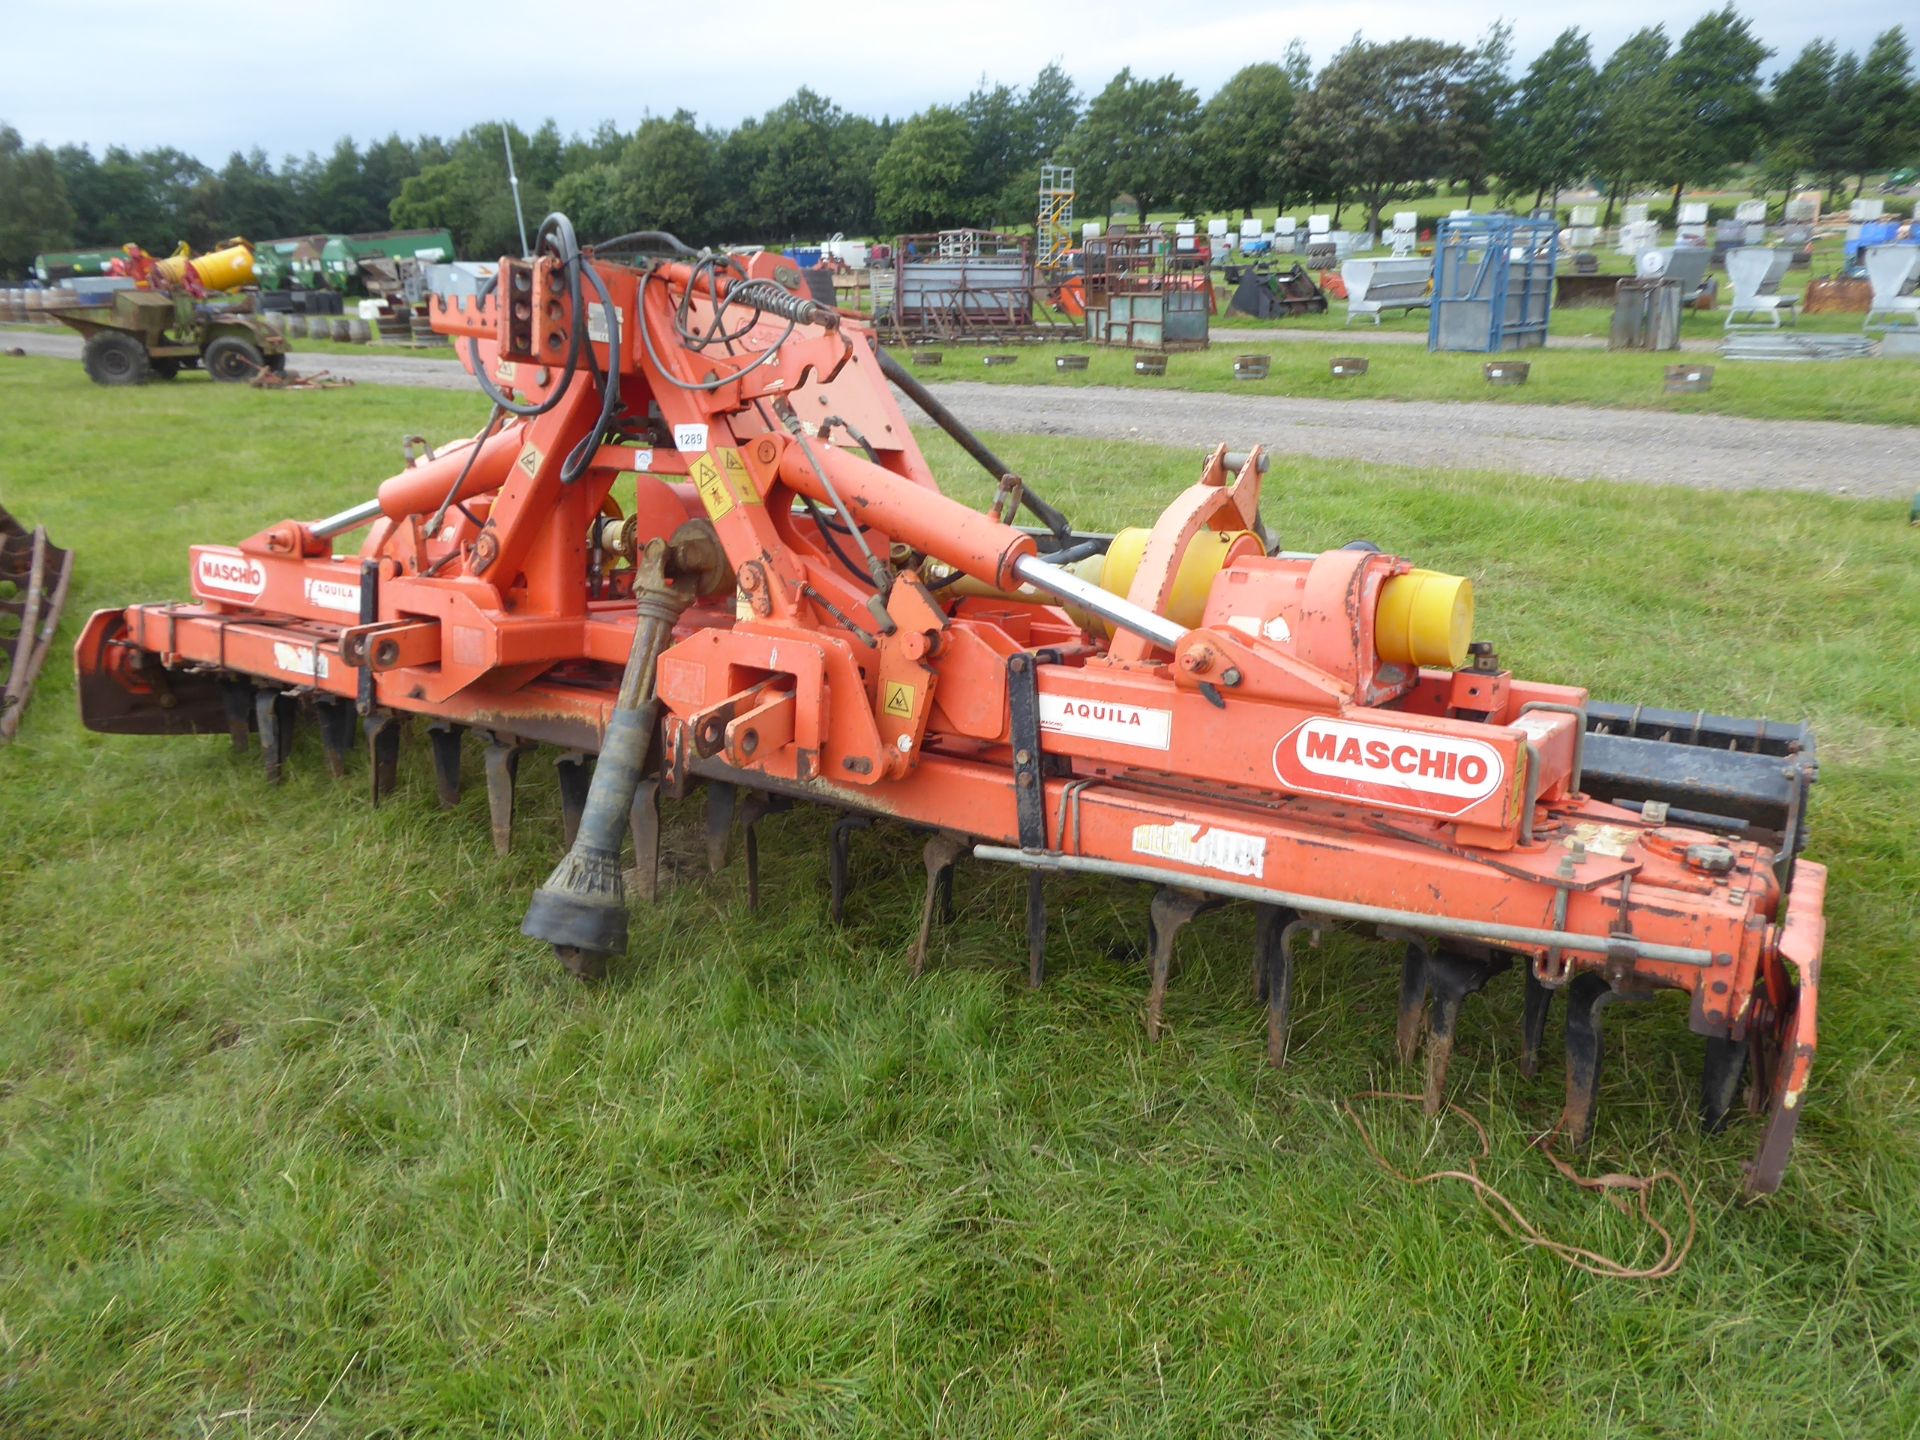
[697,541]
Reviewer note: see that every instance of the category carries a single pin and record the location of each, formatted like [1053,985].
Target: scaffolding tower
[1053,230]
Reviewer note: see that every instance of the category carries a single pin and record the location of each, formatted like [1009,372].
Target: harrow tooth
[503,774]
[943,849]
[1587,995]
[722,799]
[1170,912]
[1414,983]
[237,698]
[444,737]
[274,712]
[755,808]
[1278,931]
[839,856]
[1036,929]
[643,818]
[574,768]
[337,724]
[1724,1068]
[383,751]
[1450,979]
[1533,1023]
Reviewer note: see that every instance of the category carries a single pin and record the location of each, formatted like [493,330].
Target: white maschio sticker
[1275,629]
[231,574]
[1228,851]
[1420,770]
[596,321]
[643,460]
[690,437]
[1105,720]
[332,595]
[300,660]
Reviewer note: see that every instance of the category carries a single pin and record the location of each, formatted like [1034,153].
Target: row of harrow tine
[34,578]
[1435,978]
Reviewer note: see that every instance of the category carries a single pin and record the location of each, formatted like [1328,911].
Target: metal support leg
[722,797]
[839,862]
[1278,932]
[236,696]
[1413,999]
[1450,978]
[1587,995]
[1533,1023]
[755,808]
[383,754]
[1171,911]
[273,712]
[503,774]
[643,818]
[574,769]
[445,737]
[1036,929]
[943,849]
[338,720]
[1720,1076]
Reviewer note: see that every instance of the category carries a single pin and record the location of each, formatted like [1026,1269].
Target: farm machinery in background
[153,318]
[696,544]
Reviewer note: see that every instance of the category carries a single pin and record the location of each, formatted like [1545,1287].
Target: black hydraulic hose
[583,453]
[633,239]
[971,443]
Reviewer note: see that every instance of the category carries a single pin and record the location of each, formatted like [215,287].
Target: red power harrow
[696,542]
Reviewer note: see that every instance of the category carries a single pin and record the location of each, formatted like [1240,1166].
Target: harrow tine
[383,750]
[444,737]
[1036,929]
[574,768]
[722,799]
[273,712]
[237,697]
[337,719]
[755,808]
[943,849]
[839,857]
[1587,995]
[1414,982]
[1170,913]
[503,774]
[1278,932]
[1451,978]
[1724,1068]
[643,818]
[1533,1023]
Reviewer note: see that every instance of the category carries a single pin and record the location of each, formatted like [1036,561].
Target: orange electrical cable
[1508,1217]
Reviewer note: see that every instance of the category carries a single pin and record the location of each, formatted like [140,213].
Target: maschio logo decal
[230,574]
[1440,774]
[1105,720]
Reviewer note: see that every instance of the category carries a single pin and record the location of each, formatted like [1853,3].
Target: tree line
[1381,122]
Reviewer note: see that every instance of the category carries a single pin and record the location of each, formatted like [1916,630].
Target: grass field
[300,1139]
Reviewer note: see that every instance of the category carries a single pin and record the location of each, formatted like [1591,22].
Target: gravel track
[1569,442]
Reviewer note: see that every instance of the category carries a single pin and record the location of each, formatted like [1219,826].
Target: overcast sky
[295,77]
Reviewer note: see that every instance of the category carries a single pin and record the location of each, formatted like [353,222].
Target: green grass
[299,1138]
[1883,391]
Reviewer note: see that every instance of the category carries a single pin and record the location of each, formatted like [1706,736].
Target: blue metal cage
[1492,282]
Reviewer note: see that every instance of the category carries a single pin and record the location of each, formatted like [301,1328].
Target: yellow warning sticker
[738,480]
[897,699]
[713,490]
[529,461]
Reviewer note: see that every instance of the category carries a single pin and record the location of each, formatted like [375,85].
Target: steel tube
[1347,910]
[1065,585]
[348,519]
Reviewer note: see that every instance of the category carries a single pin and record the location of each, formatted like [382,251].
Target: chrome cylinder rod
[348,519]
[1065,585]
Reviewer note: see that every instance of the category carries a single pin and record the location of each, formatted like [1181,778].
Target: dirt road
[1569,442]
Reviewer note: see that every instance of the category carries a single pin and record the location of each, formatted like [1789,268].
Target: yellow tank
[1424,618]
[228,268]
[1208,553]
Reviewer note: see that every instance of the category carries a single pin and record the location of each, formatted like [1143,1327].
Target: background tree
[1556,111]
[1888,107]
[666,178]
[1135,139]
[925,178]
[1239,142]
[1796,108]
[1640,116]
[35,214]
[1483,109]
[1716,75]
[1382,120]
